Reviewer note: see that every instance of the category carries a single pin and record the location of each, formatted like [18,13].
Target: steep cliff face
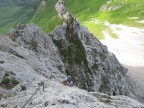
[70,49]
[88,61]
[29,56]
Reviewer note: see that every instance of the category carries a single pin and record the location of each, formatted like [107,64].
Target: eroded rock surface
[29,56]
[57,95]
[88,61]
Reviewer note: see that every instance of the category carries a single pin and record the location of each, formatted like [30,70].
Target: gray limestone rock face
[1,74]
[31,56]
[89,62]
[57,95]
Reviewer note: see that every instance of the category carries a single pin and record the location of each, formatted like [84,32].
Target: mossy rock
[2,62]
[23,88]
[73,55]
[8,82]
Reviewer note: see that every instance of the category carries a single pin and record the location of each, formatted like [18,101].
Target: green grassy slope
[13,12]
[88,12]
[129,8]
[47,18]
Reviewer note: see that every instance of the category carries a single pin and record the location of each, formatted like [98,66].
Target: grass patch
[8,82]
[111,33]
[96,29]
[1,62]
[45,15]
[23,88]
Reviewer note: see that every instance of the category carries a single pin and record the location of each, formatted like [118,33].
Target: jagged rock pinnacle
[86,59]
[62,11]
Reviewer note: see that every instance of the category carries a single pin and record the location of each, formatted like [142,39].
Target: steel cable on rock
[39,85]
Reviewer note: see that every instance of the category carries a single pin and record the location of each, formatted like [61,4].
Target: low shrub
[8,82]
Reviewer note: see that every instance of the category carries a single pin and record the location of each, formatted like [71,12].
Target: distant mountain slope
[13,12]
[89,12]
[92,14]
[47,18]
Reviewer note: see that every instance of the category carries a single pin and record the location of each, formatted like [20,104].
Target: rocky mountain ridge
[87,60]
[29,56]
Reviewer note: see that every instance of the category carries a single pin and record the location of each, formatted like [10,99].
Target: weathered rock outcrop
[88,61]
[58,96]
[62,11]
[29,56]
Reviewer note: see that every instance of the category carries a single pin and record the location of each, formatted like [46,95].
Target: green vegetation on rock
[1,62]
[74,56]
[8,82]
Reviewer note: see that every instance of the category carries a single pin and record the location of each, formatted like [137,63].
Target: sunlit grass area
[45,16]
[98,28]
[84,10]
